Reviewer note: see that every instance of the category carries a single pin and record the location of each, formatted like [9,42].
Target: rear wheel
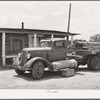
[38,70]
[19,72]
[94,63]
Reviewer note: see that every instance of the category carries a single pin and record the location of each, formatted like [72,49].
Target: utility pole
[69,18]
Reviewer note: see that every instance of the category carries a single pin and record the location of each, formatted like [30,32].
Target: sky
[52,15]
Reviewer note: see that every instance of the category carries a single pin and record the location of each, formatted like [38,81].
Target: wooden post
[3,50]
[35,40]
[52,36]
[31,40]
[68,28]
[67,39]
[71,39]
[69,17]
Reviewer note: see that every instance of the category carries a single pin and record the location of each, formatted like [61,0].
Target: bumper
[22,68]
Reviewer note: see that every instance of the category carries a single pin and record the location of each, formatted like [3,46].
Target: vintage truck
[88,53]
[37,59]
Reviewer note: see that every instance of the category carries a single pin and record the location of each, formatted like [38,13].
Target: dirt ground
[84,79]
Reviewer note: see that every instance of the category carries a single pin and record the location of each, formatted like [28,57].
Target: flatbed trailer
[88,53]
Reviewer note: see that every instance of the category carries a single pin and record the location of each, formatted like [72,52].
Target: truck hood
[37,49]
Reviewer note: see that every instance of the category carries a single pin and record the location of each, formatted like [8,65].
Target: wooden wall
[10,36]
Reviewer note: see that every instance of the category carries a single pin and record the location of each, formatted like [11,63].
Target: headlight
[28,56]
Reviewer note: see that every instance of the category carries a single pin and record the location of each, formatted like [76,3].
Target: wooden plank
[0,49]
[3,50]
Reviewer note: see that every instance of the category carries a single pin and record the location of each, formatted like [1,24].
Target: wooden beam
[3,50]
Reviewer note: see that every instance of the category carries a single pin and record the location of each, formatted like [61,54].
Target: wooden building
[13,40]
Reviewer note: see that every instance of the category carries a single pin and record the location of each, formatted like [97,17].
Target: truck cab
[37,59]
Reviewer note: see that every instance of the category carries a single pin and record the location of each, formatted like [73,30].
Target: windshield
[45,44]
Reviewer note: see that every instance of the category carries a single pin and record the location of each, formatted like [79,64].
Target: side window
[59,44]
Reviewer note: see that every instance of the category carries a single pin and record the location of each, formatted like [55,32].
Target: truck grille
[23,58]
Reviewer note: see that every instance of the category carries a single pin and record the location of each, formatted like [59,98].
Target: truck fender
[30,63]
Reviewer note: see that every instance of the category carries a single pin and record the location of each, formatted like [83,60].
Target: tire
[19,72]
[95,63]
[38,70]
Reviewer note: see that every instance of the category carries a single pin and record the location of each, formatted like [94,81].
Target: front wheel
[19,72]
[38,70]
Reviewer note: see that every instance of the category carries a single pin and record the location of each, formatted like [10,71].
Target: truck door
[59,51]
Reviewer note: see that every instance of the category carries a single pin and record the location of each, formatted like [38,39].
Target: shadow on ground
[86,70]
[81,71]
[54,75]
[47,75]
